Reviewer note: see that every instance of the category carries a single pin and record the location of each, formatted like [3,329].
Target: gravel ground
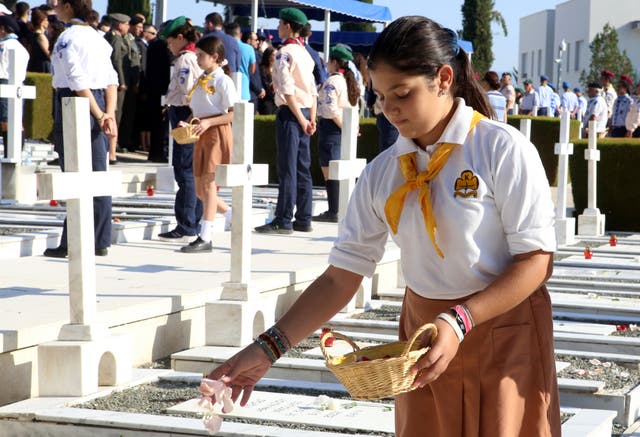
[617,379]
[9,231]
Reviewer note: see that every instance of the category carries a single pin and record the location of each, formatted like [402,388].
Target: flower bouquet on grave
[380,371]
[183,134]
[214,392]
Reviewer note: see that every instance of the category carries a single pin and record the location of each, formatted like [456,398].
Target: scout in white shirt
[211,100]
[339,91]
[596,110]
[81,64]
[181,40]
[476,234]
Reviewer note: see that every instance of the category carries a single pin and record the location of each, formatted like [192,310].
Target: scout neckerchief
[297,41]
[395,202]
[202,82]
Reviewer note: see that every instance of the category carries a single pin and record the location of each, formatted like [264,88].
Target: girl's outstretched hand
[242,371]
[432,364]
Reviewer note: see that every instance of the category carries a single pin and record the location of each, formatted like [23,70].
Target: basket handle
[194,120]
[339,336]
[427,326]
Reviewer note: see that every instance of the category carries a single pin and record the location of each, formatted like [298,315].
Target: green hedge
[38,119]
[545,133]
[616,195]
[264,149]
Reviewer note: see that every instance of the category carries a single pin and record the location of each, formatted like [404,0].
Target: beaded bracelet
[454,325]
[274,342]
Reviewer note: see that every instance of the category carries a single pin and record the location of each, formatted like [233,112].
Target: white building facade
[576,22]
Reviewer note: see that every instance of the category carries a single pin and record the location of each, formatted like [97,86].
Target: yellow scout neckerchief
[202,82]
[395,202]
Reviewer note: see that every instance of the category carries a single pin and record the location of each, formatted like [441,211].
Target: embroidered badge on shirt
[466,185]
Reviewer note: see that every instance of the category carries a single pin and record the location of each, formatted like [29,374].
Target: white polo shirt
[11,42]
[81,60]
[219,96]
[491,201]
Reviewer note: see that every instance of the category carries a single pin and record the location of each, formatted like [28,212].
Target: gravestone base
[591,223]
[566,231]
[78,368]
[237,323]
[165,180]
[18,182]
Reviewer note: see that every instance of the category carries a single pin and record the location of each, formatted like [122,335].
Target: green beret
[293,15]
[172,26]
[340,53]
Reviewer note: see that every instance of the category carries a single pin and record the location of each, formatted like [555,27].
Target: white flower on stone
[324,402]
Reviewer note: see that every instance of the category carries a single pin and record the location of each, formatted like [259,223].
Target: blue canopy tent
[340,10]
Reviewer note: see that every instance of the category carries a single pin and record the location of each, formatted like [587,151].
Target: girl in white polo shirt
[211,100]
[467,202]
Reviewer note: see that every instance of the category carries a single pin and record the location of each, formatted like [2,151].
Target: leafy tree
[130,7]
[358,27]
[605,55]
[477,16]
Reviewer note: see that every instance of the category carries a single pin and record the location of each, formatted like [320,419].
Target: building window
[577,50]
[523,64]
[539,62]
[532,63]
[568,63]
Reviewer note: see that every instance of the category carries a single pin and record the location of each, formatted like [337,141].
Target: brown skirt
[212,148]
[501,383]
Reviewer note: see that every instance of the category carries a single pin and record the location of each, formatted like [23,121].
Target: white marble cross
[241,175]
[591,222]
[565,226]
[78,185]
[15,92]
[348,167]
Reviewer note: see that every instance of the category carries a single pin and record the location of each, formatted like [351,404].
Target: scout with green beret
[339,91]
[295,95]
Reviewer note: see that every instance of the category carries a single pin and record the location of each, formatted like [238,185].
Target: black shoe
[326,216]
[171,235]
[301,228]
[102,251]
[273,228]
[198,245]
[56,252]
[113,161]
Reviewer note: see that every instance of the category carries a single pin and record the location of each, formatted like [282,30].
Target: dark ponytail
[353,89]
[419,46]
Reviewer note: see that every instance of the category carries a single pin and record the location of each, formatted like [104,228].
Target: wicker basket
[184,134]
[386,373]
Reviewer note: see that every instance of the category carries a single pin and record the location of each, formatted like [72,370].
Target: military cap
[566,84]
[340,53]
[595,85]
[293,15]
[172,26]
[544,78]
[528,82]
[626,79]
[607,73]
[9,23]
[120,18]
[577,90]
